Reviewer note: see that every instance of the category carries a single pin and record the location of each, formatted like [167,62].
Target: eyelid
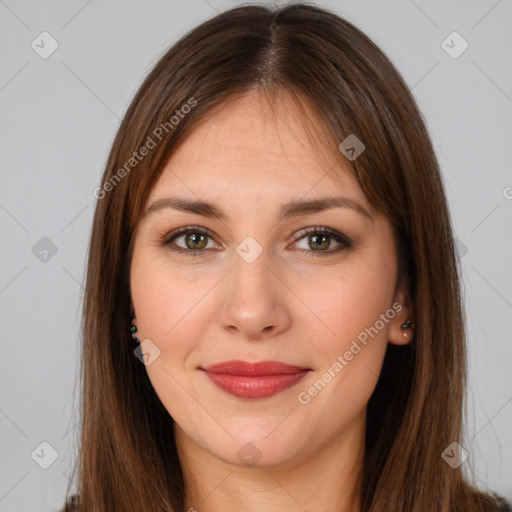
[186,229]
[333,233]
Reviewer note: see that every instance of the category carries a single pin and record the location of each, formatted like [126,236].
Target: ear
[397,335]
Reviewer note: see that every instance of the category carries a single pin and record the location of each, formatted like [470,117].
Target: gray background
[59,116]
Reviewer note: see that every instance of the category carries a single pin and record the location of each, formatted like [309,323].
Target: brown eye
[190,240]
[317,242]
[195,240]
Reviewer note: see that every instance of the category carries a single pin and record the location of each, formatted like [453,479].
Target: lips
[254,380]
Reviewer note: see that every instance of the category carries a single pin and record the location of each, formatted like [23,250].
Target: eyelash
[343,240]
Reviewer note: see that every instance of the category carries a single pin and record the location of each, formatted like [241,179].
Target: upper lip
[237,367]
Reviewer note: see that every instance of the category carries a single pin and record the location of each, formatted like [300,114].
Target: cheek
[161,294]
[172,305]
[353,313]
[345,302]
[171,309]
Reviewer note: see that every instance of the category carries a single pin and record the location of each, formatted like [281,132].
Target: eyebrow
[291,209]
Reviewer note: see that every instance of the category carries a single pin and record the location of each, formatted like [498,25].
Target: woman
[272,233]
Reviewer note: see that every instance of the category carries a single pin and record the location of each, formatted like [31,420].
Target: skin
[199,310]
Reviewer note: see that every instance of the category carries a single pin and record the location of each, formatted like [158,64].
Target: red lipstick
[254,380]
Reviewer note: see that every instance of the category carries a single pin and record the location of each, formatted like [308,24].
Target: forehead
[249,149]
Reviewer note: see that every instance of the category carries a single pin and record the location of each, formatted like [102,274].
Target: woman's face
[262,286]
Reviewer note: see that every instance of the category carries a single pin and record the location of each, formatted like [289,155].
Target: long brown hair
[127,455]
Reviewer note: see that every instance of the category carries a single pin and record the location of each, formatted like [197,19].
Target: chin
[255,444]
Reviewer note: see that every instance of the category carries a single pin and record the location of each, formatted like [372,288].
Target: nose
[255,305]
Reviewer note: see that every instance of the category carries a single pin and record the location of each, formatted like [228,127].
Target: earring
[407,325]
[133,330]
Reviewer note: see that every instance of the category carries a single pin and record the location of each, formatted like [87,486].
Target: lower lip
[261,386]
